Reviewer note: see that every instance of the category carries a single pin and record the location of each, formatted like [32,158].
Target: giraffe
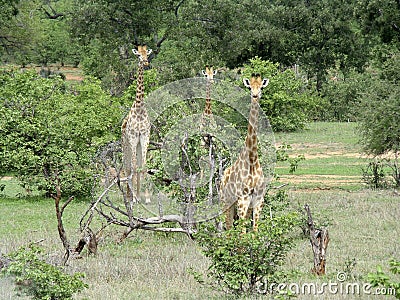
[209,74]
[243,184]
[206,120]
[136,128]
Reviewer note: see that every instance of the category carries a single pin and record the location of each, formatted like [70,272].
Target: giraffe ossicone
[243,184]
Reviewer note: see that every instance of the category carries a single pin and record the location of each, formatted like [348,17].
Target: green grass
[363,226]
[328,133]
[331,150]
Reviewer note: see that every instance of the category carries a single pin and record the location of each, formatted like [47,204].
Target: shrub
[40,279]
[380,278]
[374,174]
[243,263]
[380,117]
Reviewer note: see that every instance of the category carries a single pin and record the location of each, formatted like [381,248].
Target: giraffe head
[255,84]
[209,73]
[142,53]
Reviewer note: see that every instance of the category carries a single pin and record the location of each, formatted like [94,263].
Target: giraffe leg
[243,207]
[256,215]
[229,208]
[142,156]
[258,203]
[229,216]
[249,213]
[127,163]
[134,139]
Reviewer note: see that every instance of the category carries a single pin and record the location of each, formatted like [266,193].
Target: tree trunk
[319,239]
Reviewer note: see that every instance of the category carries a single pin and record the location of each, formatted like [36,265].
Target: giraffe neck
[251,138]
[139,87]
[207,108]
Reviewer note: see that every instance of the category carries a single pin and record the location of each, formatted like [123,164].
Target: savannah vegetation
[67,80]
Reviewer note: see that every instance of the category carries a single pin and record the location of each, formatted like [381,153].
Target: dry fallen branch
[114,206]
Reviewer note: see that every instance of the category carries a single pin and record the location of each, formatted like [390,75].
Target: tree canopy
[185,34]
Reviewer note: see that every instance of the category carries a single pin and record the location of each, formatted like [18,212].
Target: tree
[380,18]
[108,30]
[48,133]
[318,35]
[8,11]
[380,115]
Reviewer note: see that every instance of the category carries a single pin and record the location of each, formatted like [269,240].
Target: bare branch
[53,15]
[177,7]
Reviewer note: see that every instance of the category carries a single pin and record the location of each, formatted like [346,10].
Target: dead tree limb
[319,239]
[89,238]
[60,225]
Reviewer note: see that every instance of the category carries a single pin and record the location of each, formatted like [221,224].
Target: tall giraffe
[136,128]
[209,74]
[243,184]
[206,120]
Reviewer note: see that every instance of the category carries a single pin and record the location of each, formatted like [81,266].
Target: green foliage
[49,133]
[40,279]
[378,171]
[242,263]
[343,94]
[380,117]
[38,33]
[379,19]
[286,100]
[381,279]
[282,155]
[374,174]
[318,35]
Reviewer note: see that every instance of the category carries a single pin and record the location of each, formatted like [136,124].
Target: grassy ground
[363,227]
[333,158]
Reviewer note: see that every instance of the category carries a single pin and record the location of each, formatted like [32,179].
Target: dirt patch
[329,154]
[71,73]
[321,150]
[320,182]
[70,77]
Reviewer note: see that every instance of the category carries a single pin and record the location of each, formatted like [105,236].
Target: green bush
[242,264]
[49,132]
[40,279]
[380,119]
[381,279]
[343,97]
[380,113]
[287,101]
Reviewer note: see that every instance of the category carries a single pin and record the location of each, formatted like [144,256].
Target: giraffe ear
[203,72]
[135,52]
[215,72]
[149,51]
[265,82]
[246,82]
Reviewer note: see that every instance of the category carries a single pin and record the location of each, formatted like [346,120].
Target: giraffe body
[136,129]
[243,185]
